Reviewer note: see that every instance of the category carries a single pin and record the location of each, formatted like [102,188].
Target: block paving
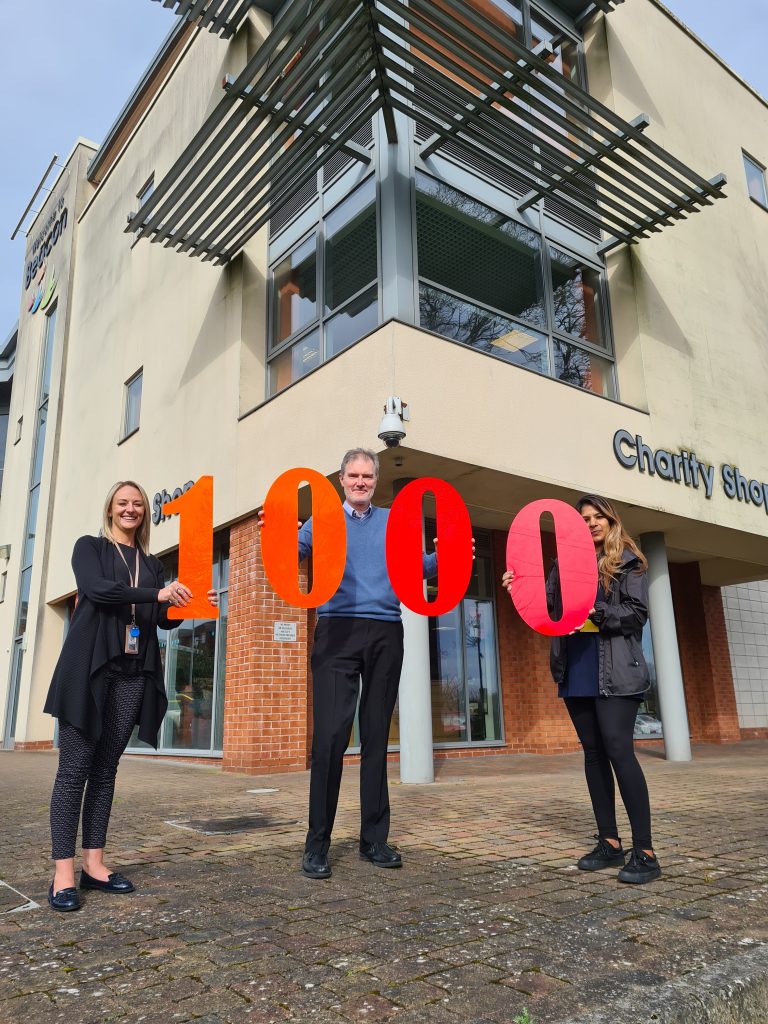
[488,922]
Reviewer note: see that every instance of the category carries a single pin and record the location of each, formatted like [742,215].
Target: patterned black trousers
[85,763]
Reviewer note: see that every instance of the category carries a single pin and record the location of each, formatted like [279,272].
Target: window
[494,284]
[325,291]
[756,183]
[146,190]
[132,411]
[193,658]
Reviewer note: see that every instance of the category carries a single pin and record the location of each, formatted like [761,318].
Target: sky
[67,68]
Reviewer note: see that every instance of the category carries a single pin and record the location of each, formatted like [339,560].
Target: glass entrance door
[466,699]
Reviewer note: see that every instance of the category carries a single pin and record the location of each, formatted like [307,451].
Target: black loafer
[315,865]
[382,855]
[115,883]
[64,900]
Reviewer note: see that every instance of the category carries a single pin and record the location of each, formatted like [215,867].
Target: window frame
[547,238]
[321,318]
[124,432]
[748,160]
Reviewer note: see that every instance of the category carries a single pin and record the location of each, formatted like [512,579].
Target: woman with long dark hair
[108,679]
[602,676]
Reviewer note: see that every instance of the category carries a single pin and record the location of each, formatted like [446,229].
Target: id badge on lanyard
[132,632]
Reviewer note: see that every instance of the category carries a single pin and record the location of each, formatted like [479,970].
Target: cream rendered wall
[701,300]
[72,188]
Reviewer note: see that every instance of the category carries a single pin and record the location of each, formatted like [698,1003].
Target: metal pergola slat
[220,16]
[325,68]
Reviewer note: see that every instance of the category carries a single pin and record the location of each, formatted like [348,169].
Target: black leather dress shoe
[64,900]
[382,855]
[115,883]
[315,865]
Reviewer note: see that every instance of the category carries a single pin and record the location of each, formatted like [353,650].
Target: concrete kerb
[733,992]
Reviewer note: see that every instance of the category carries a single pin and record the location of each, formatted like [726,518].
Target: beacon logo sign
[40,272]
[46,285]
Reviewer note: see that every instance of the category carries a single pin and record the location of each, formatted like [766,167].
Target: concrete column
[674,716]
[416,761]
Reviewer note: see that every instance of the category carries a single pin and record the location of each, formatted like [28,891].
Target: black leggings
[81,760]
[605,726]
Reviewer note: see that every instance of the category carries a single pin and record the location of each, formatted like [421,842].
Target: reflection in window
[472,325]
[358,318]
[584,369]
[756,183]
[466,701]
[348,284]
[483,282]
[193,659]
[350,247]
[295,291]
[294,362]
[576,297]
[472,249]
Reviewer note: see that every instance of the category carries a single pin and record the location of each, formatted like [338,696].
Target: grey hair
[360,453]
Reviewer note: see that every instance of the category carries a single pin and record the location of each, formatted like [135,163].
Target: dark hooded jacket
[620,618]
[96,636]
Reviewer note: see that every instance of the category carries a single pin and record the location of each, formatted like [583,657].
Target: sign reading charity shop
[684,467]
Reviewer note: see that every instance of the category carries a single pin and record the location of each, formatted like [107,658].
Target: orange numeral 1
[195,507]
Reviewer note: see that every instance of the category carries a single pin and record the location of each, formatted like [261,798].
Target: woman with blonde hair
[108,679]
[602,676]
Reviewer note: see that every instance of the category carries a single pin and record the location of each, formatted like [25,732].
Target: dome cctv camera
[391,430]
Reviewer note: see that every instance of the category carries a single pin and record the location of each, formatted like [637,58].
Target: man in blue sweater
[358,638]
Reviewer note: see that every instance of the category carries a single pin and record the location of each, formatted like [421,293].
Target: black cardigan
[96,636]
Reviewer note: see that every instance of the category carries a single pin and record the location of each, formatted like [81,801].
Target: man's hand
[434,541]
[260,520]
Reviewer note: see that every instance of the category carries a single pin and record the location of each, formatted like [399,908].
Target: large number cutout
[279,543]
[405,546]
[576,561]
[195,508]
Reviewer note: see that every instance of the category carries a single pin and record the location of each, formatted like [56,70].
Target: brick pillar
[704,655]
[535,719]
[266,703]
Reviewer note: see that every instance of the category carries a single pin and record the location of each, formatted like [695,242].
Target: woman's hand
[176,594]
[213,597]
[507,580]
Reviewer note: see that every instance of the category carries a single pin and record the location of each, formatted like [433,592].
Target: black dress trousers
[346,652]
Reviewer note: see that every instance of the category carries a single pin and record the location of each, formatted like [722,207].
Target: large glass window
[494,284]
[325,291]
[194,667]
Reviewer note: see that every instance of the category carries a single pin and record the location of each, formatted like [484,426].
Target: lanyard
[134,580]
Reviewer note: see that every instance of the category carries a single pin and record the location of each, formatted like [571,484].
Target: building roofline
[79,141]
[166,47]
[712,53]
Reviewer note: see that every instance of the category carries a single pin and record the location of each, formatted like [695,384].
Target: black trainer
[640,868]
[603,856]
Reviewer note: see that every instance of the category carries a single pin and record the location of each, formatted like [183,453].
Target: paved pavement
[488,922]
